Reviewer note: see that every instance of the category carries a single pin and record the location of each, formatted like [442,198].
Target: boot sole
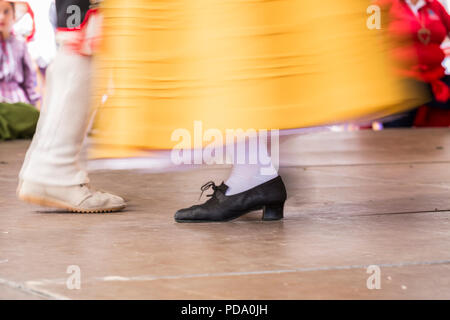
[230,218]
[62,205]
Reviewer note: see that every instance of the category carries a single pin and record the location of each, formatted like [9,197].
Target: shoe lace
[91,188]
[206,186]
[88,185]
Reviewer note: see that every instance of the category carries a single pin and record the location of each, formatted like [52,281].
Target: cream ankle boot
[79,198]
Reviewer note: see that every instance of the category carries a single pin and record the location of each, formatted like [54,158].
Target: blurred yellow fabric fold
[237,64]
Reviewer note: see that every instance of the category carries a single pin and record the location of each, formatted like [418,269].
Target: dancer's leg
[247,175]
[251,186]
[53,155]
[51,174]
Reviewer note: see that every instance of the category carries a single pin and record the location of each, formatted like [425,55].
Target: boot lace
[206,186]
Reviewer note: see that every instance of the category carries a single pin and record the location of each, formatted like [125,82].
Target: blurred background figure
[42,46]
[34,24]
[419,30]
[24,25]
[18,96]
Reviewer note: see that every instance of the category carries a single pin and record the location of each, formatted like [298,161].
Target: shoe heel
[273,212]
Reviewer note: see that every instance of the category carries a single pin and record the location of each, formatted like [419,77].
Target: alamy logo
[374,20]
[374,281]
[231,146]
[74,280]
[74,19]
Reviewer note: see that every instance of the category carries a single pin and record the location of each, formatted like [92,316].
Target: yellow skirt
[237,64]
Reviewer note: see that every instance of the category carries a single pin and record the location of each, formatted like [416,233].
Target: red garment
[432,117]
[420,56]
[416,59]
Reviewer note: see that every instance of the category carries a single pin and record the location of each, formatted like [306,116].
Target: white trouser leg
[52,158]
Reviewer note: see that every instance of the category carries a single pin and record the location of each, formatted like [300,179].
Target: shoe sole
[218,221]
[62,205]
[228,219]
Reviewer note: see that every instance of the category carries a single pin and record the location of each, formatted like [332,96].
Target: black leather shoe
[269,196]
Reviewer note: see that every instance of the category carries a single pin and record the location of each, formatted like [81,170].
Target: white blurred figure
[24,26]
[43,45]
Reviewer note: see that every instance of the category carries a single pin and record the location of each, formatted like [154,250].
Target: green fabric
[17,121]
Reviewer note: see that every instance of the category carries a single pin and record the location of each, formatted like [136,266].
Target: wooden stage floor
[356,199]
